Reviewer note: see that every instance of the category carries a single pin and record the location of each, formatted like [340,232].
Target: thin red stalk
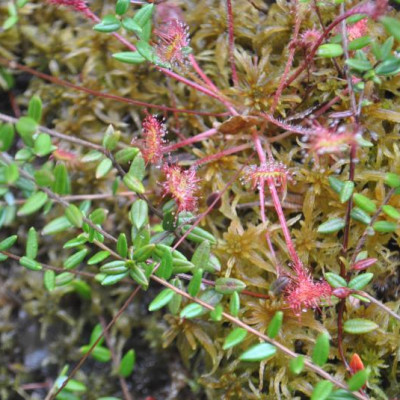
[278,208]
[198,138]
[223,153]
[61,82]
[292,50]
[231,42]
[291,128]
[201,73]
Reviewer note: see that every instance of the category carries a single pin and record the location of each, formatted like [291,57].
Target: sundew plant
[199,199]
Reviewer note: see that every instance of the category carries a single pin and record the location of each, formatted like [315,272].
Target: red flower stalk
[181,185]
[174,42]
[303,292]
[269,169]
[153,132]
[77,5]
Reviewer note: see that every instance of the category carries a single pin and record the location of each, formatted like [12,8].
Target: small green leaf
[138,167]
[7,135]
[130,25]
[392,26]
[109,23]
[129,57]
[392,180]
[359,325]
[98,257]
[321,349]
[364,203]
[391,211]
[33,204]
[216,314]
[229,285]
[359,215]
[103,168]
[96,333]
[322,390]
[35,108]
[192,310]
[32,244]
[74,215]
[26,127]
[330,50]
[144,15]
[388,67]
[346,191]
[133,184]
[359,65]
[161,300]
[139,213]
[259,352]
[143,253]
[296,365]
[64,278]
[358,380]
[122,6]
[333,225]
[335,280]
[11,173]
[202,255]
[361,281]
[275,325]
[58,225]
[126,155]
[111,138]
[114,268]
[98,216]
[75,259]
[139,276]
[30,264]
[165,269]
[234,338]
[49,280]
[234,304]
[122,245]
[113,279]
[127,363]
[62,183]
[92,156]
[146,51]
[198,235]
[385,226]
[42,145]
[99,353]
[8,242]
[359,43]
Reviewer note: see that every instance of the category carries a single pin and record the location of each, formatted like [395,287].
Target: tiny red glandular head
[173,42]
[304,293]
[182,186]
[270,169]
[153,132]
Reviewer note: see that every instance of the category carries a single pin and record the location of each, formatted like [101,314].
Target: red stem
[289,60]
[231,44]
[193,139]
